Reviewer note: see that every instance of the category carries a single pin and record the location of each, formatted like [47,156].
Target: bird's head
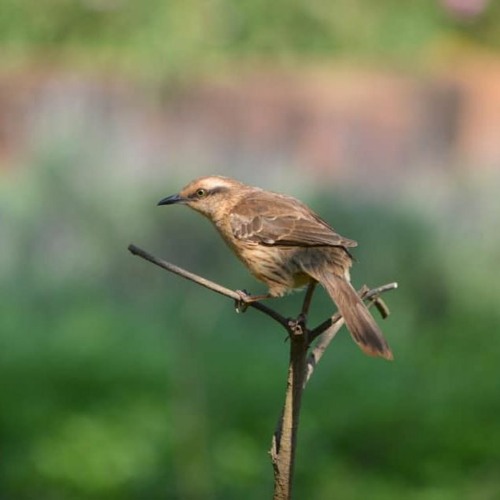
[211,196]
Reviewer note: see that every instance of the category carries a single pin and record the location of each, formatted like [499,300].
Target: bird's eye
[201,193]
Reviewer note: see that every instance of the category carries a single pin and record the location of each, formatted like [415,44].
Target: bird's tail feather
[359,321]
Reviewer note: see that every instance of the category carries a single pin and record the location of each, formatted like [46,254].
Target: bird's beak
[170,200]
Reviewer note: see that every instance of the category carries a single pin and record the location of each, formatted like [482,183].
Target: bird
[286,245]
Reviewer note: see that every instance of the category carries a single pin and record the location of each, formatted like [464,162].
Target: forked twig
[301,364]
[215,287]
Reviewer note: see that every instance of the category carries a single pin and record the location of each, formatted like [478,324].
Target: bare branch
[215,287]
[301,365]
[308,298]
[319,349]
[284,442]
[375,292]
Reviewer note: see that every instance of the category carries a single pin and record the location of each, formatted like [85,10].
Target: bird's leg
[245,299]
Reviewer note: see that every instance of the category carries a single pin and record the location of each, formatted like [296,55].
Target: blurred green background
[121,381]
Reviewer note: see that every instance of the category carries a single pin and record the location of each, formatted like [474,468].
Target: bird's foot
[246,299]
[241,304]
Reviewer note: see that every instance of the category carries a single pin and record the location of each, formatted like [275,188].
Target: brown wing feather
[278,220]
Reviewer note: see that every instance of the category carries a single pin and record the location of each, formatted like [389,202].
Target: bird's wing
[278,220]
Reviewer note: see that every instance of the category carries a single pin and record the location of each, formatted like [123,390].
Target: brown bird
[286,245]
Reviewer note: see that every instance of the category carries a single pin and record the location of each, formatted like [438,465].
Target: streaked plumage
[286,245]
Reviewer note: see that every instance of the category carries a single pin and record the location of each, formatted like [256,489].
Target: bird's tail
[358,319]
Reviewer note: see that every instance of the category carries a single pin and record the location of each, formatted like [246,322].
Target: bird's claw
[241,304]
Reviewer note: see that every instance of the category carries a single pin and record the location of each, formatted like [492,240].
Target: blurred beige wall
[336,123]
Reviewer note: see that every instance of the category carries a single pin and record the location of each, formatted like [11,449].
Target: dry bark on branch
[304,357]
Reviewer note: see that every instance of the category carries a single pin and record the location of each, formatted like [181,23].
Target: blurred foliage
[121,381]
[181,37]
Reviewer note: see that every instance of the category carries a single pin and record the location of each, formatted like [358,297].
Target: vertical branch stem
[300,367]
[285,437]
[308,298]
